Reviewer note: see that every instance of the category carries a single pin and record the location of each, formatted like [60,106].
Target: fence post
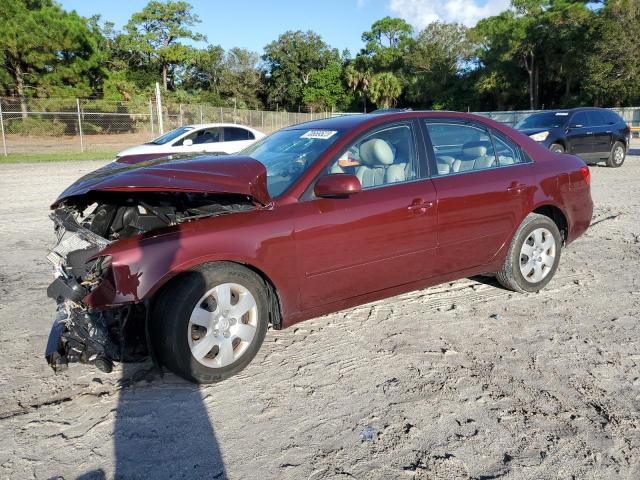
[153,134]
[221,116]
[80,125]
[159,107]
[201,118]
[4,141]
[181,115]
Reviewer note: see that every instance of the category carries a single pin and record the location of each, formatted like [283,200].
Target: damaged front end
[85,226]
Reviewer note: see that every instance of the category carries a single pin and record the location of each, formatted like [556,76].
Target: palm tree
[384,89]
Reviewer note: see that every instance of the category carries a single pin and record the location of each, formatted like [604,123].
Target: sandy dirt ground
[463,380]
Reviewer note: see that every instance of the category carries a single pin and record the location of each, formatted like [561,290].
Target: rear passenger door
[484,187]
[601,133]
[579,138]
[236,139]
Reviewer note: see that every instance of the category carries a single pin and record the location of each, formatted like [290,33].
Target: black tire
[617,155]
[557,147]
[510,275]
[172,311]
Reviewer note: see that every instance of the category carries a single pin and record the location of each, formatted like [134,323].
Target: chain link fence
[56,125]
[43,125]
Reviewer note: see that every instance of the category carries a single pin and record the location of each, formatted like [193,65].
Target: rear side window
[234,134]
[460,147]
[507,152]
[612,117]
[596,118]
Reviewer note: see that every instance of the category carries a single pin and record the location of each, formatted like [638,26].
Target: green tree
[433,63]
[358,81]
[613,62]
[325,90]
[45,50]
[154,34]
[384,89]
[386,43]
[242,79]
[290,61]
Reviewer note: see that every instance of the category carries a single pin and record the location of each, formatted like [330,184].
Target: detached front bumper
[79,336]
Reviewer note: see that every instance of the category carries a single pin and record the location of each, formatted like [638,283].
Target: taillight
[586,175]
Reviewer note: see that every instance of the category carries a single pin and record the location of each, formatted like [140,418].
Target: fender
[141,265]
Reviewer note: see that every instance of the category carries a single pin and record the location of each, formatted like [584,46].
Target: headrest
[475,149]
[376,152]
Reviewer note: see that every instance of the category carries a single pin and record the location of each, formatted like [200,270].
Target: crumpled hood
[186,173]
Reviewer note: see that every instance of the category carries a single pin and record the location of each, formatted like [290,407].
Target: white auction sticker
[319,134]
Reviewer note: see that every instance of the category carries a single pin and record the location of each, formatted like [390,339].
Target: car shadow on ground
[153,416]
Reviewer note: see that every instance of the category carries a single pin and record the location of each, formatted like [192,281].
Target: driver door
[203,140]
[382,237]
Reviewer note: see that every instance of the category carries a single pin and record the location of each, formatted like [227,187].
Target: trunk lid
[186,173]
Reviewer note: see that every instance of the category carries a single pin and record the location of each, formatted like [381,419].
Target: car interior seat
[474,157]
[375,156]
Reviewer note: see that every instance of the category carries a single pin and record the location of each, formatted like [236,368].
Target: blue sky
[254,23]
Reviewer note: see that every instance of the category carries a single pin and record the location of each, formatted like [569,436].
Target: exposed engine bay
[86,225]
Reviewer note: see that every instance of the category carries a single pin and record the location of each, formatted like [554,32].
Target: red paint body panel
[325,254]
[228,174]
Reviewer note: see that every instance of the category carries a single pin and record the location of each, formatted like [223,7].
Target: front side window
[596,118]
[580,120]
[201,137]
[460,147]
[383,157]
[287,154]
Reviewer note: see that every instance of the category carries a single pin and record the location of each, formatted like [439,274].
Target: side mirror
[337,185]
[187,143]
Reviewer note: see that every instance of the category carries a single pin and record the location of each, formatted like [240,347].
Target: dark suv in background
[593,134]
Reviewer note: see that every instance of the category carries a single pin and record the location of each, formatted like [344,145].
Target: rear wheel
[556,147]
[533,257]
[211,323]
[617,155]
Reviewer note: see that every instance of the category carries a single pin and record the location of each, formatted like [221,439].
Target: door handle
[589,133]
[516,188]
[419,206]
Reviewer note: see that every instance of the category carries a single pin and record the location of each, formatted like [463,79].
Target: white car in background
[214,138]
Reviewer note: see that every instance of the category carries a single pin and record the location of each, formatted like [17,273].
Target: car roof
[355,120]
[213,125]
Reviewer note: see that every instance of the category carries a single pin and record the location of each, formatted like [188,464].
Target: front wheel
[617,155]
[210,322]
[533,256]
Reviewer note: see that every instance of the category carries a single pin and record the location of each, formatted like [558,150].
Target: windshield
[544,120]
[172,135]
[287,154]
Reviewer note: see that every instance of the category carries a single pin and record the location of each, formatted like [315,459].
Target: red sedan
[188,260]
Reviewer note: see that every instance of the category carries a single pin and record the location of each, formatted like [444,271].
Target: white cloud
[420,13]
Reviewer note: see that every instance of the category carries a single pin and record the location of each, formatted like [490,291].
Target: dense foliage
[537,54]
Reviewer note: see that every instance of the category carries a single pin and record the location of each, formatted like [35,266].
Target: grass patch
[56,157]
